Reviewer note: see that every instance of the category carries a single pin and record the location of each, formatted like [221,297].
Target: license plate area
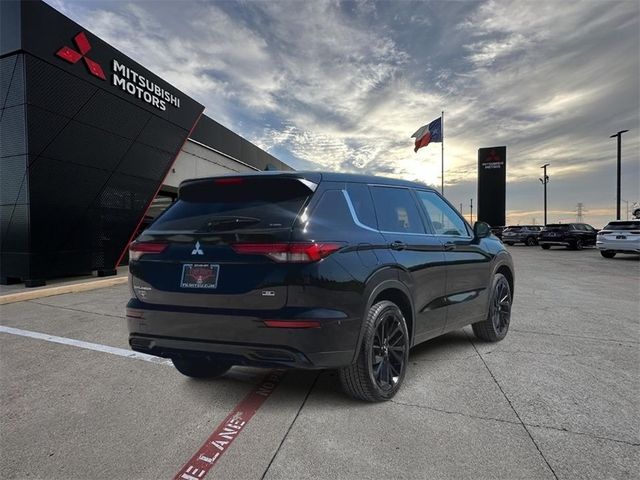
[199,275]
[621,237]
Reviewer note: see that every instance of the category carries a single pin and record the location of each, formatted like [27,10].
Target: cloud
[342,85]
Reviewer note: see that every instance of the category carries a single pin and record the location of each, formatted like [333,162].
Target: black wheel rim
[501,307]
[388,352]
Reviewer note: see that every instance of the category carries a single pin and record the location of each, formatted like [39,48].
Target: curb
[62,289]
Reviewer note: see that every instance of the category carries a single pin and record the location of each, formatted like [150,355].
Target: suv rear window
[226,204]
[630,225]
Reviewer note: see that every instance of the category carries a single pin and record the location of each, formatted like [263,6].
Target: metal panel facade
[81,157]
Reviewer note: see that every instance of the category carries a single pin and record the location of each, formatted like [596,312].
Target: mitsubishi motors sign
[122,76]
[62,43]
[141,87]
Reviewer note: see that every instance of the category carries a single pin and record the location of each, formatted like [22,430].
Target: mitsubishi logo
[197,250]
[72,56]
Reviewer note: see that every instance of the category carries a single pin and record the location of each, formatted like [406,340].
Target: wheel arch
[395,291]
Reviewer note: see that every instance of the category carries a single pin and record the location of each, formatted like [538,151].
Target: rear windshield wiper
[227,223]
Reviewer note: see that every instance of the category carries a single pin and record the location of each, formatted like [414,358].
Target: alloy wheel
[388,352]
[501,306]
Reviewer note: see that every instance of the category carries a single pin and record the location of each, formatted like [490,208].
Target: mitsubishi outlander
[313,270]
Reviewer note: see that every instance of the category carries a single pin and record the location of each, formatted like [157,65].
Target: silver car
[619,236]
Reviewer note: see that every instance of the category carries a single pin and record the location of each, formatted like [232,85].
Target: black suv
[527,234]
[571,235]
[312,270]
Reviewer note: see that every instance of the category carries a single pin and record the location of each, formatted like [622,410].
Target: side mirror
[481,230]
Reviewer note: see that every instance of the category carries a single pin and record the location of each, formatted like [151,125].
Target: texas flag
[428,133]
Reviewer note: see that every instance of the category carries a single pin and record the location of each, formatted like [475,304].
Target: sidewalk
[59,286]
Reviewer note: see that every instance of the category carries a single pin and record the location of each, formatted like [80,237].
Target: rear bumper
[620,246]
[242,337]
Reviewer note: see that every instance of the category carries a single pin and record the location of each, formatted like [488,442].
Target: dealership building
[92,146]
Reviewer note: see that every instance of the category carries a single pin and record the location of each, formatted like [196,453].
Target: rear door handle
[398,245]
[449,246]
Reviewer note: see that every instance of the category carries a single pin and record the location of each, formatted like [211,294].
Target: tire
[607,253]
[371,378]
[545,247]
[496,325]
[530,242]
[509,243]
[200,367]
[576,244]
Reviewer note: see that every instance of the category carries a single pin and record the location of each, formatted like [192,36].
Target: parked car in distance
[312,270]
[619,236]
[571,235]
[527,234]
[497,231]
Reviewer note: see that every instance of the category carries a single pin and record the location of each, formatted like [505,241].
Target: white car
[619,236]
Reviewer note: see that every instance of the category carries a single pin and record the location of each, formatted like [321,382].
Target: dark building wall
[80,158]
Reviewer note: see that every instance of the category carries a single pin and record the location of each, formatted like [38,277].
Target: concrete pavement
[558,398]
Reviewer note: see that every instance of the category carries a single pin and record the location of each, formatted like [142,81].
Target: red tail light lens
[228,181]
[138,249]
[292,323]
[289,252]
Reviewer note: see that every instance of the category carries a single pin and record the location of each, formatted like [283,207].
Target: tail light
[289,252]
[138,249]
[229,181]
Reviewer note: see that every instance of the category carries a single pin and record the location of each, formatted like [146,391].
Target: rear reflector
[138,249]
[292,323]
[289,252]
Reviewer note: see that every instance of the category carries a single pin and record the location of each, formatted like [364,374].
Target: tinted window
[444,220]
[362,203]
[630,225]
[331,212]
[257,203]
[558,226]
[396,210]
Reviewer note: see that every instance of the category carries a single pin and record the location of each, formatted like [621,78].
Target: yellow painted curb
[62,289]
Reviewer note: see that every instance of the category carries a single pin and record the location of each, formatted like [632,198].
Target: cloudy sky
[343,85]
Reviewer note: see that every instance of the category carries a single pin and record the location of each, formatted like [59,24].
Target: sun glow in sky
[341,86]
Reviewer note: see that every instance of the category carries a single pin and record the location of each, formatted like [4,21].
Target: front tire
[607,253]
[545,246]
[509,243]
[200,367]
[381,364]
[496,325]
[530,242]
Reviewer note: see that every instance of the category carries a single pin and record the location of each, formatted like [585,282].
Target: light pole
[619,135]
[471,209]
[544,180]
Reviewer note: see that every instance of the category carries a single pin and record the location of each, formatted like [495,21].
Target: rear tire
[545,247]
[381,364]
[200,367]
[607,253]
[496,325]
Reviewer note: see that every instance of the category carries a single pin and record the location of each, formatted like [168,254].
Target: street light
[544,180]
[619,136]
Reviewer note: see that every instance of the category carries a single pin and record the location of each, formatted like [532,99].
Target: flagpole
[442,163]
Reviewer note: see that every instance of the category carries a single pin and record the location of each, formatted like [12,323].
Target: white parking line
[86,345]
